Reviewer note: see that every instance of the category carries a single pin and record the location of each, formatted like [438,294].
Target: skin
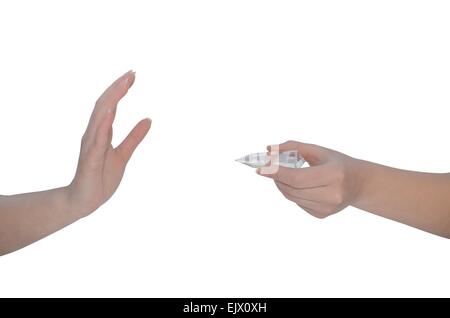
[334,181]
[26,218]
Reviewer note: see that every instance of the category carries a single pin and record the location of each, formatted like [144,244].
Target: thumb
[134,138]
[313,154]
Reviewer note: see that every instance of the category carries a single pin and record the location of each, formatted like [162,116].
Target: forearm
[421,200]
[26,218]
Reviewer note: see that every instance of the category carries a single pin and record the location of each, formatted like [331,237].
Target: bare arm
[26,218]
[418,199]
[334,181]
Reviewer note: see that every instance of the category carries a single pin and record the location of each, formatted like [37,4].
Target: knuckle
[84,139]
[289,197]
[291,142]
[337,198]
[99,102]
[328,210]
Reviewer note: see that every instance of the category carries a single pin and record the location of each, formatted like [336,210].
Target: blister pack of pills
[288,159]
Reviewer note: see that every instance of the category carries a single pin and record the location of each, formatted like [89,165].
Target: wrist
[74,204]
[361,172]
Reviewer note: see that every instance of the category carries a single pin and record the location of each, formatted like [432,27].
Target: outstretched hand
[100,165]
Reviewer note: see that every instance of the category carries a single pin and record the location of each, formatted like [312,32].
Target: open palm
[100,165]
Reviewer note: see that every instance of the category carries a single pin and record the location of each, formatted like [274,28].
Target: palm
[100,166]
[113,171]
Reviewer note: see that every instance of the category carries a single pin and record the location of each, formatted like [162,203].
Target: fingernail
[129,77]
[258,171]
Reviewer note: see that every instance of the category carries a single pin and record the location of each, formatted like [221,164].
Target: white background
[221,79]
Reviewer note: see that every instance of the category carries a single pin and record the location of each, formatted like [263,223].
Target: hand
[100,166]
[331,183]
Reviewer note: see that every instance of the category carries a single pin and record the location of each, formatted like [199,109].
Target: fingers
[314,176]
[94,153]
[117,90]
[104,132]
[319,189]
[107,102]
[310,177]
[134,138]
[318,194]
[312,207]
[313,154]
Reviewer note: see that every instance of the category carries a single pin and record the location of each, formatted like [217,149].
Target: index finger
[300,178]
[313,154]
[107,102]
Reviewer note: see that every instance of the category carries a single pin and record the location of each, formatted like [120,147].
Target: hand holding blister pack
[288,159]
